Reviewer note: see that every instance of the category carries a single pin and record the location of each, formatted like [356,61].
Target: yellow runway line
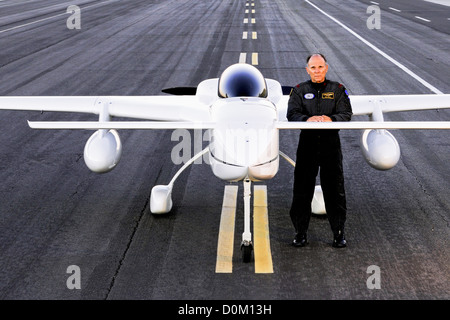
[261,239]
[255,58]
[224,262]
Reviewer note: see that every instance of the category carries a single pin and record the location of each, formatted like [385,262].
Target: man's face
[317,69]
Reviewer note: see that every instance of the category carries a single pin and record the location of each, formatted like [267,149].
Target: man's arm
[343,106]
[294,112]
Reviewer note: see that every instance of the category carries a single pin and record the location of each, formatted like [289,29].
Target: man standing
[319,100]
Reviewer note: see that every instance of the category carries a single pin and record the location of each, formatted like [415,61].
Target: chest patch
[309,96]
[328,95]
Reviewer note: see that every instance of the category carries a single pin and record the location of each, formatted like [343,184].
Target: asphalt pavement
[55,214]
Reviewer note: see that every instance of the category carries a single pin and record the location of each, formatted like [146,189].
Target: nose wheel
[246,249]
[246,245]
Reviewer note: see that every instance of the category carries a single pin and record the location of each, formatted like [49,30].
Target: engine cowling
[380,149]
[103,151]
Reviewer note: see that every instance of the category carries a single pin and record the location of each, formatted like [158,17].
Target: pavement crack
[426,193]
[127,248]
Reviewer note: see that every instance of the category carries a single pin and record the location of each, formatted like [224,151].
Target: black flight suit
[319,148]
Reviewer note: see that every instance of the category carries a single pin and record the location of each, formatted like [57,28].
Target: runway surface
[55,213]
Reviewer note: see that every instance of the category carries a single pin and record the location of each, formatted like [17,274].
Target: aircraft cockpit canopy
[242,80]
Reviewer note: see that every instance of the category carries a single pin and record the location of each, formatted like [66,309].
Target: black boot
[339,240]
[300,240]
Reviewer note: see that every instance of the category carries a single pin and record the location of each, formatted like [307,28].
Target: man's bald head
[316,55]
[317,67]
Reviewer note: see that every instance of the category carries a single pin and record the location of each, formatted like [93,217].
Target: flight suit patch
[328,95]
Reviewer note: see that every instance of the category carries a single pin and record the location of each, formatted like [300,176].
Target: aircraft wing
[120,125]
[192,111]
[368,104]
[364,125]
[377,105]
[158,108]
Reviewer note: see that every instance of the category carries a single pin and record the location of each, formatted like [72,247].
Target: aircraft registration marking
[224,262]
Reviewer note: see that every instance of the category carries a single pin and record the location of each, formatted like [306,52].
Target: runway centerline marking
[243,57]
[398,64]
[255,58]
[224,262]
[261,239]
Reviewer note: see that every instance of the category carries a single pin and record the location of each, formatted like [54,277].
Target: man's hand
[319,119]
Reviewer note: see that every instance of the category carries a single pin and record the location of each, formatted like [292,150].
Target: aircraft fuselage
[245,140]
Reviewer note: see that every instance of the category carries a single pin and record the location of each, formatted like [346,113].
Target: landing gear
[161,195]
[318,202]
[246,245]
[246,249]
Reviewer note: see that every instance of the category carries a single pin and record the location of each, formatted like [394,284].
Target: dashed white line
[423,19]
[396,10]
[243,57]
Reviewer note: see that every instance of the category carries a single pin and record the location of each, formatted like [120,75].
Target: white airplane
[243,112]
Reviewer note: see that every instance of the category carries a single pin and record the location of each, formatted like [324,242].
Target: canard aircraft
[243,113]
